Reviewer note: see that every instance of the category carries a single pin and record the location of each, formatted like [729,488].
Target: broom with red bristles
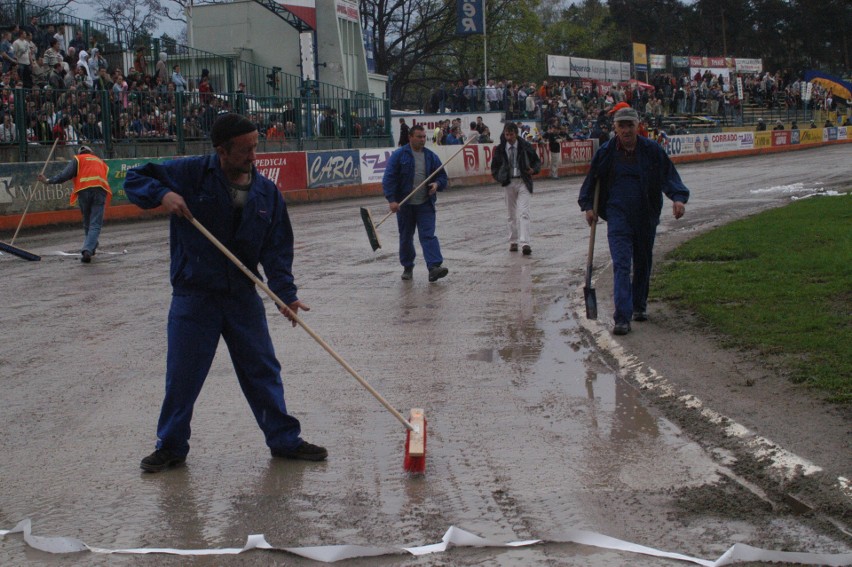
[415,436]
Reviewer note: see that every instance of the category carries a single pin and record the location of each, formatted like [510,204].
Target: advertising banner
[578,151]
[494,121]
[333,168]
[474,159]
[18,185]
[731,141]
[680,61]
[829,134]
[640,57]
[471,17]
[580,68]
[287,170]
[780,137]
[658,61]
[762,139]
[842,133]
[748,65]
[373,163]
[688,145]
[347,10]
[810,136]
[794,137]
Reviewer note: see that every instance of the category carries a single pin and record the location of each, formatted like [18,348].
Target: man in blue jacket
[407,168]
[211,297]
[634,173]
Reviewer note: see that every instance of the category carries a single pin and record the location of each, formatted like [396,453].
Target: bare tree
[134,17]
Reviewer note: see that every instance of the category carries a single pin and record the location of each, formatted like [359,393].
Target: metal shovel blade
[591,302]
[372,235]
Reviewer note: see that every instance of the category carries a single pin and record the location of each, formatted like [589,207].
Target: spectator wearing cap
[91,191]
[631,174]
[211,298]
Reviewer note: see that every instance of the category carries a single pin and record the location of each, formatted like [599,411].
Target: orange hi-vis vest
[92,171]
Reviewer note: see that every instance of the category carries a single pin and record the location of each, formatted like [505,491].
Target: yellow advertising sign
[640,54]
[763,139]
[810,136]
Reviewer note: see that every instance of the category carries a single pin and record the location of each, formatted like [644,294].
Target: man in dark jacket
[513,164]
[211,297]
[407,169]
[632,173]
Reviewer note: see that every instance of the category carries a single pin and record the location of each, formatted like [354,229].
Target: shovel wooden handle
[425,181]
[29,200]
[280,303]
[592,235]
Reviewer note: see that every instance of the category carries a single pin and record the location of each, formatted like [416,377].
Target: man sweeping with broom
[91,191]
[211,296]
[407,169]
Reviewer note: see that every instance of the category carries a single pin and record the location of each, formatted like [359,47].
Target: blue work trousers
[422,218]
[196,321]
[631,242]
[92,202]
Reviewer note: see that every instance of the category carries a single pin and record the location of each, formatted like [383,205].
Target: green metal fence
[307,114]
[143,122]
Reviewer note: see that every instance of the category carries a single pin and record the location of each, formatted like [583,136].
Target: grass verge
[779,282]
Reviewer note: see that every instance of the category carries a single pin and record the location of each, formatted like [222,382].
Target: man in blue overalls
[211,297]
[634,173]
[407,168]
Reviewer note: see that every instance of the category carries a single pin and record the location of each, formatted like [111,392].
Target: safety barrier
[308,176]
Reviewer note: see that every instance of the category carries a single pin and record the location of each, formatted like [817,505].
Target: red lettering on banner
[288,170]
[470,155]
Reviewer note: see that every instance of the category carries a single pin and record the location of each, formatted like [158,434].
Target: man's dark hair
[510,127]
[473,125]
[416,128]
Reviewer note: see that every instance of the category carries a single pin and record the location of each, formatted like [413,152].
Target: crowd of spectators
[72,93]
[580,109]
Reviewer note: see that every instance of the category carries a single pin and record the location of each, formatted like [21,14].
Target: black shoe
[621,329]
[527,250]
[160,460]
[513,247]
[407,273]
[437,272]
[640,316]
[86,257]
[304,452]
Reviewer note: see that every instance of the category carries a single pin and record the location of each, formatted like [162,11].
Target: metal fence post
[21,123]
[388,131]
[347,122]
[106,123]
[179,119]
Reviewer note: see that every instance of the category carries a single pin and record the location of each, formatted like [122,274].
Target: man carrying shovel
[634,173]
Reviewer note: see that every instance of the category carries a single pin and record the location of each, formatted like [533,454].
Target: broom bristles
[411,463]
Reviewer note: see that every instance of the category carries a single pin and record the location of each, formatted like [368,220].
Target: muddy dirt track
[536,424]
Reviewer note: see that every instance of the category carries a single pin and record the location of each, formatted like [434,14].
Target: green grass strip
[779,282]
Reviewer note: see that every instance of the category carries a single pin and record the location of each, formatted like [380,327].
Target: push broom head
[372,234]
[19,252]
[415,443]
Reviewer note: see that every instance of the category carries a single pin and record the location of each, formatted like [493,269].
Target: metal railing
[152,123]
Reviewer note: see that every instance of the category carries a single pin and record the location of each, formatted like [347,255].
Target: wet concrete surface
[531,430]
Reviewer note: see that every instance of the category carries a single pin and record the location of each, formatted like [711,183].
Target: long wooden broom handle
[425,181]
[280,303]
[29,200]
[592,235]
